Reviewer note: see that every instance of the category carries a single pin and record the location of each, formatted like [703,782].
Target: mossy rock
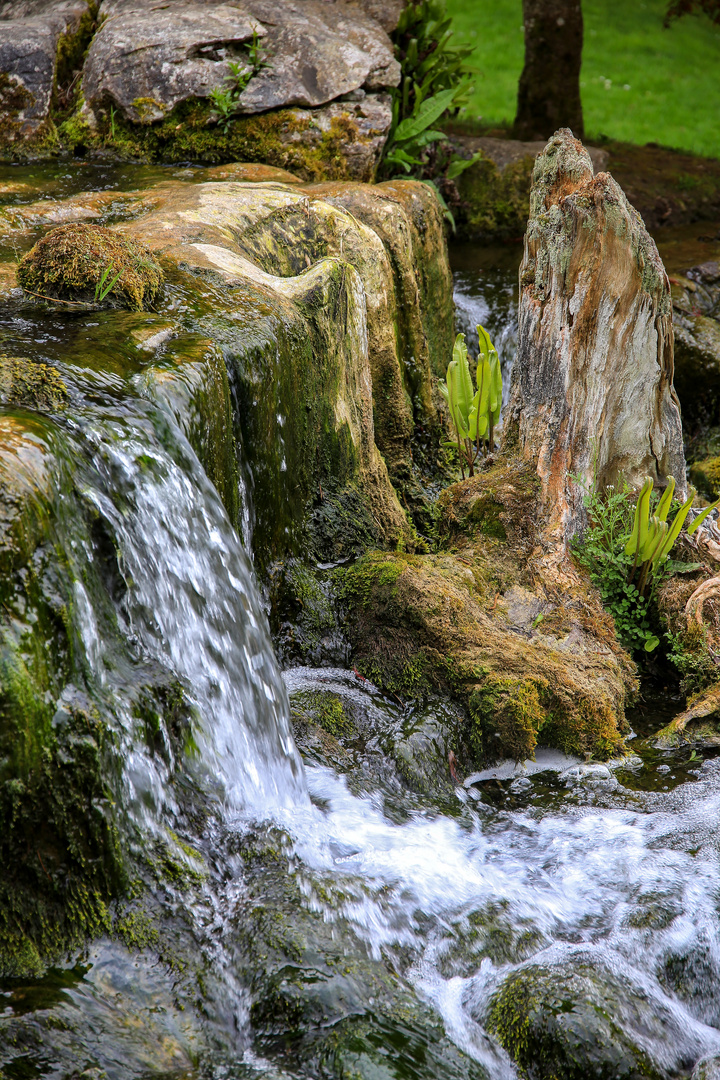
[705,475]
[476,624]
[448,624]
[81,263]
[578,1022]
[495,203]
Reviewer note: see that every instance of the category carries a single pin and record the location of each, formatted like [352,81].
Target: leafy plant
[622,541]
[474,412]
[226,98]
[103,286]
[652,539]
[433,80]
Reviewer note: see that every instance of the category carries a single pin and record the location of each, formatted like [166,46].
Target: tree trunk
[592,394]
[549,89]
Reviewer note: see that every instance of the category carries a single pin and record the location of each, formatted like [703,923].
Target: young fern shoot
[475,412]
[652,539]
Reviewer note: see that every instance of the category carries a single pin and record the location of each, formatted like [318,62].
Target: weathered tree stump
[592,396]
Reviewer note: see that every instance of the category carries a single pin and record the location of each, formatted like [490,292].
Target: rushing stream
[613,871]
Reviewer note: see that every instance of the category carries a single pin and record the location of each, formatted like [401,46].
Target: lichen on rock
[77,263]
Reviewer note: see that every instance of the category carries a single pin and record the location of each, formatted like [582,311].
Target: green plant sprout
[103,287]
[474,412]
[226,98]
[652,539]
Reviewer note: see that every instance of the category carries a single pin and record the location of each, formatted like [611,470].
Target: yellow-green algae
[68,265]
[31,384]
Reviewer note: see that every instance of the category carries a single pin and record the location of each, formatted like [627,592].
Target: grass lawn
[640,83]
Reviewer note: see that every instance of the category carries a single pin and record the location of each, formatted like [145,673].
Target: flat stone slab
[29,34]
[144,60]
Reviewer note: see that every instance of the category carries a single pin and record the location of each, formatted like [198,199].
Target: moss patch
[511,710]
[31,384]
[494,203]
[705,475]
[69,263]
[288,139]
[325,709]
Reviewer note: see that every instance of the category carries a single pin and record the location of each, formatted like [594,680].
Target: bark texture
[592,387]
[549,88]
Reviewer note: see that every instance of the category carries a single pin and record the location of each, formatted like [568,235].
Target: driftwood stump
[592,393]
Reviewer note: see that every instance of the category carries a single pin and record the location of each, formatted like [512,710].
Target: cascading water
[193,603]
[583,869]
[607,876]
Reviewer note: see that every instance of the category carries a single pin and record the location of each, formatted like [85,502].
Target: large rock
[306,266]
[144,61]
[30,33]
[528,665]
[581,1021]
[592,389]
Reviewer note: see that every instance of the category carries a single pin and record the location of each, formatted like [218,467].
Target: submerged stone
[580,1022]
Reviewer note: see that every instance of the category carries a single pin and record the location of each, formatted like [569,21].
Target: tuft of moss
[69,263]
[513,710]
[326,709]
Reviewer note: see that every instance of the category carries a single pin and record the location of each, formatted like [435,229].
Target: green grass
[640,83]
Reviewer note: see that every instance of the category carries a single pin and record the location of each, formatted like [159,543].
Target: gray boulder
[145,61]
[30,31]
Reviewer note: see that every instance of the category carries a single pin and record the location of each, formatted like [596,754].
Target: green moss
[705,475]
[376,570]
[326,709]
[71,51]
[495,203]
[510,1019]
[485,513]
[31,384]
[507,716]
[137,930]
[68,264]
[287,139]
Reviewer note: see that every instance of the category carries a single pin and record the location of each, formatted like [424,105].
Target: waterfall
[192,603]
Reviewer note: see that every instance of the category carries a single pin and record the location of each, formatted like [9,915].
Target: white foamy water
[625,891]
[193,604]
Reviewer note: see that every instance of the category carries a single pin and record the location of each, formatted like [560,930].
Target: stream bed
[593,886]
